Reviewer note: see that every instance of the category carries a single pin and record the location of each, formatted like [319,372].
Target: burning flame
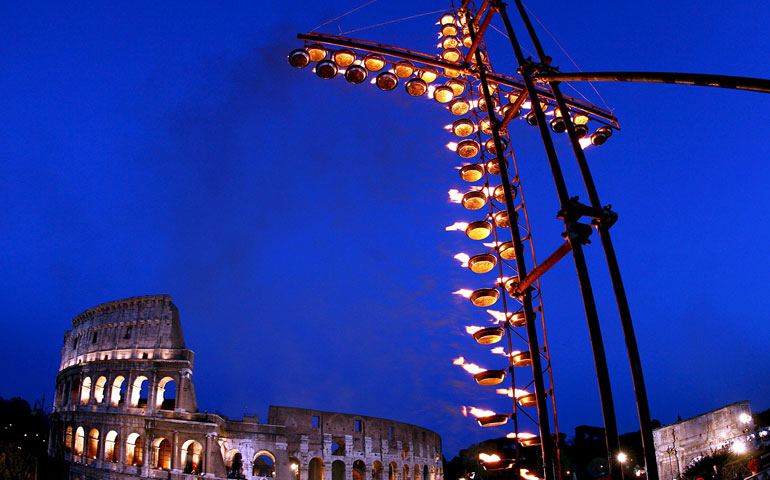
[526,475]
[448,128]
[585,142]
[457,226]
[498,317]
[471,329]
[501,351]
[452,146]
[491,245]
[477,412]
[509,393]
[463,292]
[471,368]
[373,80]
[463,258]
[489,458]
[521,435]
[431,89]
[455,196]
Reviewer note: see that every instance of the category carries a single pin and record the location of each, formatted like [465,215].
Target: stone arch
[234,463]
[263,464]
[85,391]
[161,454]
[99,389]
[417,472]
[74,391]
[294,466]
[65,398]
[315,469]
[139,386]
[93,443]
[377,470]
[118,391]
[338,470]
[393,471]
[110,444]
[359,469]
[68,439]
[80,439]
[406,472]
[165,397]
[192,457]
[432,472]
[134,450]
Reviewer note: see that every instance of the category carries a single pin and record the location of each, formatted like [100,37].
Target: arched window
[166,395]
[338,470]
[139,391]
[425,473]
[315,469]
[417,472]
[392,471]
[75,391]
[80,439]
[118,394]
[359,468]
[85,391]
[376,470]
[68,439]
[110,446]
[93,443]
[192,457]
[161,454]
[99,389]
[338,447]
[134,450]
[264,464]
[294,466]
[406,472]
[234,464]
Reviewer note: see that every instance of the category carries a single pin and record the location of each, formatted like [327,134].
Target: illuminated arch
[166,393]
[80,438]
[93,443]
[99,389]
[263,464]
[315,469]
[139,384]
[192,457]
[85,391]
[117,395]
[110,444]
[134,450]
[161,454]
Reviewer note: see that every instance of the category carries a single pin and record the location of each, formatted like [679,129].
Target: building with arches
[125,408]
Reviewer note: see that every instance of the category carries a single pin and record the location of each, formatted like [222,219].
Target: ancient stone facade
[679,445]
[125,408]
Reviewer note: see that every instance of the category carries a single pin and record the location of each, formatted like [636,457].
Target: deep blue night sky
[299,223]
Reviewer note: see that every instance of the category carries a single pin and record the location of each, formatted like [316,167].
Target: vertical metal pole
[521,267]
[589,304]
[634,359]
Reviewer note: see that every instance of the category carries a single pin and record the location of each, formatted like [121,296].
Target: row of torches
[471,145]
[458,97]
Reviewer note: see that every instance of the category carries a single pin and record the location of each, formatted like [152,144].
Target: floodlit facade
[680,445]
[125,408]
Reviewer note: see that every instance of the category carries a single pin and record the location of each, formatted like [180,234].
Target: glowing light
[455,196]
[463,292]
[524,473]
[452,146]
[463,258]
[492,245]
[471,368]
[461,226]
[509,392]
[738,447]
[497,317]
[471,329]
[477,412]
[584,142]
[622,457]
[744,418]
[521,435]
[489,458]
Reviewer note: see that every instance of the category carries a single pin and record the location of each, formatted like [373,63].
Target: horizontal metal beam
[402,53]
[700,79]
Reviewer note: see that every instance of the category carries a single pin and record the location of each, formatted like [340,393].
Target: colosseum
[125,408]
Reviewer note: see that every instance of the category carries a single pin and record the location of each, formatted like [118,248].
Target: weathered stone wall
[678,445]
[125,407]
